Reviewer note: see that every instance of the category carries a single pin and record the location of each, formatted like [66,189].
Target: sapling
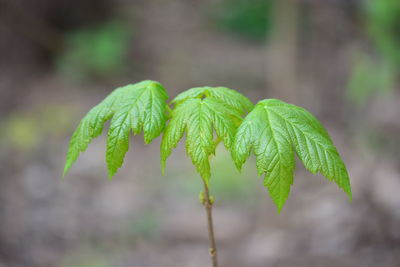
[272,129]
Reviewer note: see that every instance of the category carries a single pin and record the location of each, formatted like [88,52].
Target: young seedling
[273,130]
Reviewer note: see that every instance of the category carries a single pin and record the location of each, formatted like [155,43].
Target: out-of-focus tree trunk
[281,51]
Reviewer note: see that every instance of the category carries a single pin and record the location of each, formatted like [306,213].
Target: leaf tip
[238,163]
[163,165]
[280,205]
[111,173]
[239,166]
[148,138]
[350,195]
[279,209]
[66,169]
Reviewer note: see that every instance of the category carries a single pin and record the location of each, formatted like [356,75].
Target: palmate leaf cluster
[199,112]
[273,130]
[138,107]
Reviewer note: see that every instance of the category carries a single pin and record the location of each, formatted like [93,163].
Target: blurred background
[340,59]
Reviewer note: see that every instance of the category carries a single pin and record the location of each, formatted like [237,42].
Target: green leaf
[137,107]
[199,118]
[228,96]
[273,131]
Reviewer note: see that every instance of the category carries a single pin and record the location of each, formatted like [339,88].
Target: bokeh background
[339,59]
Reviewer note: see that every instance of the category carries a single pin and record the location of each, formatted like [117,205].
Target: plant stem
[208,206]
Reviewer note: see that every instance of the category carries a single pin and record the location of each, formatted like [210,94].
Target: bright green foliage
[137,107]
[274,130]
[230,97]
[199,118]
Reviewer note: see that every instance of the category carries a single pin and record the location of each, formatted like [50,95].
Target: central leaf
[199,118]
[228,96]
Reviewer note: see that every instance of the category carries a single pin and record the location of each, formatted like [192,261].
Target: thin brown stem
[208,206]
